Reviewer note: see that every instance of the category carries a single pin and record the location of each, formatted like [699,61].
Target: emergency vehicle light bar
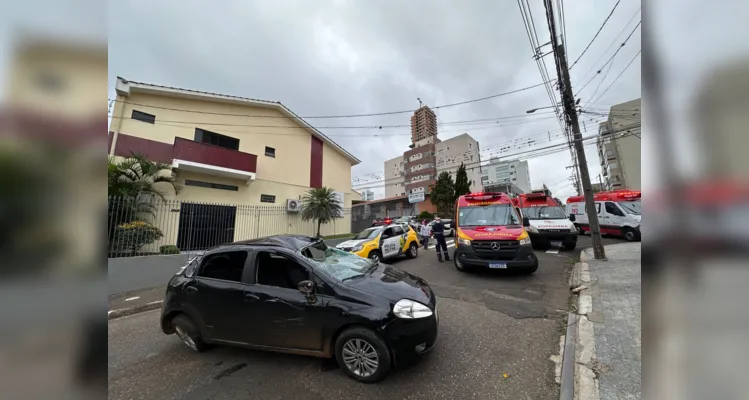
[535,196]
[472,196]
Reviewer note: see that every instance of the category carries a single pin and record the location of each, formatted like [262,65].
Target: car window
[273,269]
[612,209]
[227,266]
[388,231]
[397,231]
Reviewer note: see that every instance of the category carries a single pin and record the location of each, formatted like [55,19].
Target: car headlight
[409,309]
[465,242]
[357,248]
[573,229]
[532,229]
[525,241]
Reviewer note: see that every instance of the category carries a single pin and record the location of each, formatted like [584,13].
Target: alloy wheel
[414,251]
[360,357]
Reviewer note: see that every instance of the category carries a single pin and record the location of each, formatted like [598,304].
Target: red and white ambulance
[549,224]
[619,213]
[491,233]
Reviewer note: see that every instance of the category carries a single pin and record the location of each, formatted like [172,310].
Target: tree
[462,185]
[132,185]
[321,205]
[558,201]
[443,194]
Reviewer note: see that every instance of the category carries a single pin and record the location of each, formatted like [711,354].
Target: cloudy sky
[341,58]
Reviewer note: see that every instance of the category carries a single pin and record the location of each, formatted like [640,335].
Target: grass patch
[339,236]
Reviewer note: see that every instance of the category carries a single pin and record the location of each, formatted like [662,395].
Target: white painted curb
[586,383]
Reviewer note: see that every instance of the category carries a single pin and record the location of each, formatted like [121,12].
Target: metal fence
[171,226]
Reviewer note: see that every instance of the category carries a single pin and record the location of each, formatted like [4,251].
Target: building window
[469,145]
[216,139]
[209,185]
[144,117]
[270,152]
[267,198]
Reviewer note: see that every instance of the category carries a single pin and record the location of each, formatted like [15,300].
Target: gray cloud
[336,57]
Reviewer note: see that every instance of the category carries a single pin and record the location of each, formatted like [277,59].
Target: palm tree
[133,183]
[321,205]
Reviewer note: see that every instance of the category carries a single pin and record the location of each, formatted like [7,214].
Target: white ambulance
[619,213]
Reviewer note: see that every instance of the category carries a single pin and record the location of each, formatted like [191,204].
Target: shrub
[134,235]
[426,215]
[169,249]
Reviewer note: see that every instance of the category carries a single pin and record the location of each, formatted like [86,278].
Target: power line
[590,139]
[341,116]
[613,42]
[618,76]
[609,60]
[596,35]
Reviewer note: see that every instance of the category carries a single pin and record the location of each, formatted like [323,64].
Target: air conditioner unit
[293,205]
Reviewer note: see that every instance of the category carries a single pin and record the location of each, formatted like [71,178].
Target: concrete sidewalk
[608,353]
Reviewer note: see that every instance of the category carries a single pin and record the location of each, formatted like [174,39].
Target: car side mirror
[306,287]
[572,217]
[385,237]
[526,221]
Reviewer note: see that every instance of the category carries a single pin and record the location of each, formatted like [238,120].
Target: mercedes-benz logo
[495,246]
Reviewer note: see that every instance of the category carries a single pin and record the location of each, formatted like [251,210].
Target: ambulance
[490,233]
[549,224]
[619,213]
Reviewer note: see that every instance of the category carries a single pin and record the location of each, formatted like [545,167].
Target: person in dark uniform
[438,232]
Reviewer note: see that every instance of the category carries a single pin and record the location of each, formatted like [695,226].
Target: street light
[531,111]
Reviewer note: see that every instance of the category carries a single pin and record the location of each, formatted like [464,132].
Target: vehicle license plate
[498,265]
[556,244]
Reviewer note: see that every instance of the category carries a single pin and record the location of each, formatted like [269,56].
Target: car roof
[291,242]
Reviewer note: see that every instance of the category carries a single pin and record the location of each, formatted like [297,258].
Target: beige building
[619,147]
[417,169]
[245,160]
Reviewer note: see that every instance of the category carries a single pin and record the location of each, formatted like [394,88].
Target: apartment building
[511,171]
[220,158]
[423,124]
[368,195]
[619,147]
[418,168]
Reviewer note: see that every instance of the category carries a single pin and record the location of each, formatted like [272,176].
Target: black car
[293,294]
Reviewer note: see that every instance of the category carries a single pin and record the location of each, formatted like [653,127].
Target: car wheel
[630,235]
[458,265]
[533,268]
[188,332]
[570,246]
[375,255]
[362,354]
[413,251]
[579,230]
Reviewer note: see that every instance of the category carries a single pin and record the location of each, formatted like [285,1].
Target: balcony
[188,155]
[209,159]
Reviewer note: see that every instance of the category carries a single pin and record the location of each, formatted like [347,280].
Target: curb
[122,312]
[585,380]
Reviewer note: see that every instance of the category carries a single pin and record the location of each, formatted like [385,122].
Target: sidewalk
[608,353]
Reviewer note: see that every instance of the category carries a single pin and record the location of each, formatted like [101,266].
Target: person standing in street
[425,231]
[438,231]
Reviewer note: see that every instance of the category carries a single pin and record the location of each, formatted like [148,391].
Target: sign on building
[416,197]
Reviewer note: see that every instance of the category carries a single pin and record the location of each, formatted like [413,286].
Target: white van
[619,213]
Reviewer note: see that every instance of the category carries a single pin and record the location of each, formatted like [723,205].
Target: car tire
[532,268]
[375,255]
[580,230]
[370,344]
[458,266]
[630,234]
[413,250]
[188,333]
[569,246]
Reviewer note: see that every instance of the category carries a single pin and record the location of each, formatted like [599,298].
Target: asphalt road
[491,324]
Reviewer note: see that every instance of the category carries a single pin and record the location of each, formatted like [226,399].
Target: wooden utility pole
[568,101]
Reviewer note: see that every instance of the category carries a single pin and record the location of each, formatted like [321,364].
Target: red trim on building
[315,166]
[151,149]
[186,150]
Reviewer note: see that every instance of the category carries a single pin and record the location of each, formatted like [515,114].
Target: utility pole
[568,101]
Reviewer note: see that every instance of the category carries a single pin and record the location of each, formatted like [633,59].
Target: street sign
[416,197]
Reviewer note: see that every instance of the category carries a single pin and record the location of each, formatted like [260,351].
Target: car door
[215,294]
[287,318]
[389,243]
[402,234]
[614,216]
